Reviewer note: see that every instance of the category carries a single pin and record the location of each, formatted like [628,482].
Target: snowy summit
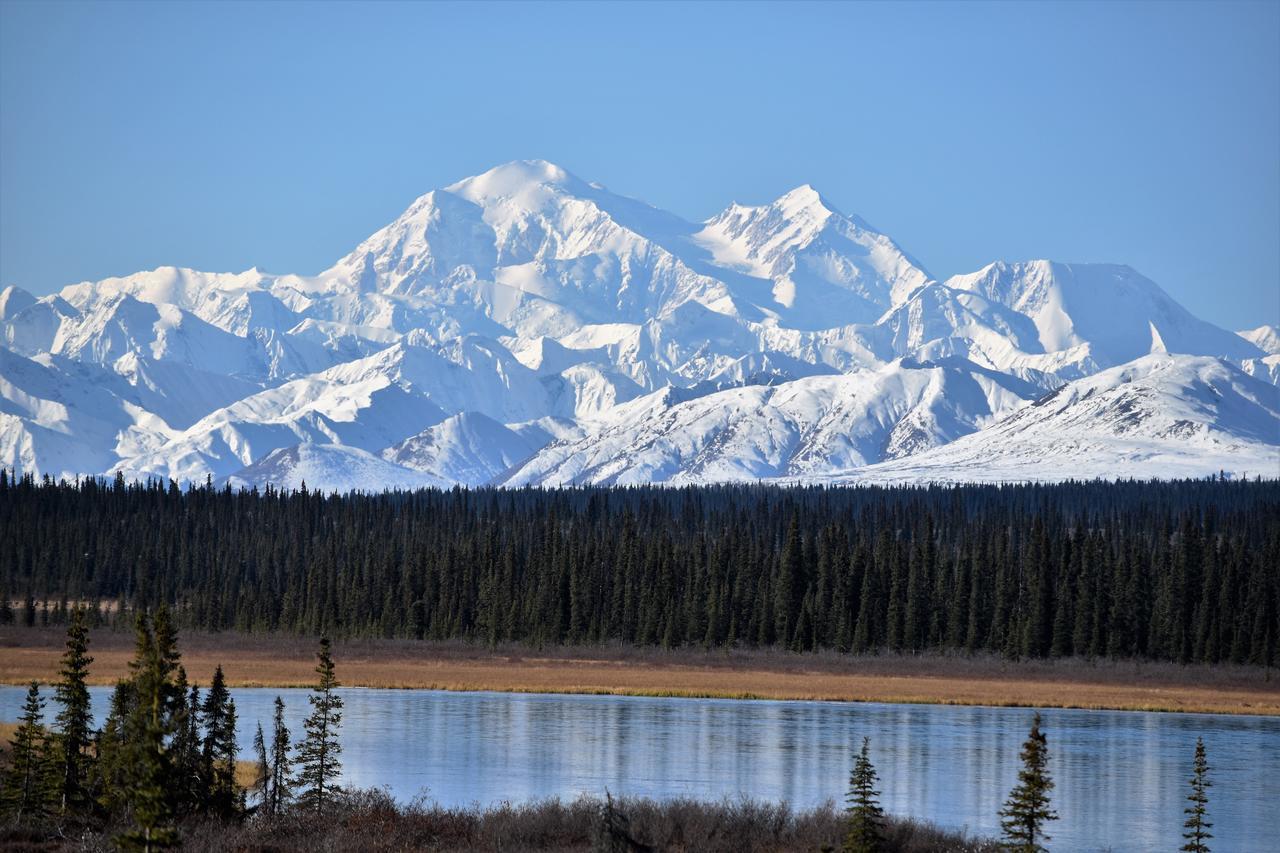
[525,326]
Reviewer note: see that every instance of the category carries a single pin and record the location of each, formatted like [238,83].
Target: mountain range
[526,327]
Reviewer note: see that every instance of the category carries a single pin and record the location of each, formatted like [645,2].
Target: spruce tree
[280,766]
[112,764]
[262,767]
[24,793]
[1027,809]
[153,720]
[75,719]
[865,832]
[188,789]
[317,759]
[1197,828]
[218,751]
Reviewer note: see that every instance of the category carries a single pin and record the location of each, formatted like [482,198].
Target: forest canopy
[1182,571]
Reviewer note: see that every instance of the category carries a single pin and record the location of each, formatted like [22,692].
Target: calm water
[1121,777]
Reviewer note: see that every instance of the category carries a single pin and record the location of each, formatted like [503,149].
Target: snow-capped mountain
[1179,415]
[525,326]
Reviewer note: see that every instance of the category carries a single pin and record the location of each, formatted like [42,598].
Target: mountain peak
[1265,338]
[804,198]
[14,299]
[793,340]
[512,179]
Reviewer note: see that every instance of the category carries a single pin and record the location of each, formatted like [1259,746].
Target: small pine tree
[1027,809]
[865,832]
[24,793]
[280,768]
[218,751]
[74,721]
[318,765]
[1197,828]
[262,768]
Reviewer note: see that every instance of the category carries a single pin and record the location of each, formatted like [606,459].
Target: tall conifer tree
[25,790]
[1196,826]
[75,719]
[280,765]
[154,719]
[188,788]
[262,768]
[318,764]
[218,750]
[1027,809]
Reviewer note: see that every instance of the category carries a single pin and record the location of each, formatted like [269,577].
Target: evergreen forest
[1180,571]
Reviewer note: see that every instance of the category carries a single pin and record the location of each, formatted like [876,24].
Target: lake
[1121,776]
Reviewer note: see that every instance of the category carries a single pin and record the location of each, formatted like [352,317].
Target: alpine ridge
[527,327]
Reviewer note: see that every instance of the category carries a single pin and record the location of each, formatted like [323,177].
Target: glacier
[526,327]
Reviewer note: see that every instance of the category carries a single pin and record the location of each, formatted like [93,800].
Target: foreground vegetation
[164,772]
[362,821]
[1181,571]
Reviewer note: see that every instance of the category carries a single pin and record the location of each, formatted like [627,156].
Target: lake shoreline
[28,654]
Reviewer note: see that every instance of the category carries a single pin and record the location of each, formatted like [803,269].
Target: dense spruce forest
[1182,571]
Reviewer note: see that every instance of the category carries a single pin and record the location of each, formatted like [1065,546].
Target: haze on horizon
[224,137]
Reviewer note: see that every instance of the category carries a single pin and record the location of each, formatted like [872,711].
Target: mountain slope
[1175,415]
[802,427]
[528,326]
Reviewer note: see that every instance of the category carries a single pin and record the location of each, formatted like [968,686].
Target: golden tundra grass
[276,661]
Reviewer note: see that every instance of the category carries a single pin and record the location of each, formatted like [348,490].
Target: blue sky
[279,135]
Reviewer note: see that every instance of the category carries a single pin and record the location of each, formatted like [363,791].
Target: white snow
[526,326]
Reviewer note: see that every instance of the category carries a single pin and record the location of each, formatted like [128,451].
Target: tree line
[166,754]
[1181,571]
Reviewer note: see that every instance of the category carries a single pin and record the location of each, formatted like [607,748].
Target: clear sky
[279,135]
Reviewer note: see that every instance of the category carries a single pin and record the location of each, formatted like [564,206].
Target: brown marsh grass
[937,678]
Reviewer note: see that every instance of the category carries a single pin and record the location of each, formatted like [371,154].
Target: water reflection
[1121,777]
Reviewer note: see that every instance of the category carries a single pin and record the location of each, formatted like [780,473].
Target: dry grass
[253,661]
[371,821]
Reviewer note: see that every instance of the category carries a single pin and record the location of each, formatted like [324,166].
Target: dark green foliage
[146,764]
[188,788]
[262,767]
[25,792]
[74,720]
[865,833]
[1027,809]
[1196,826]
[318,754]
[1178,571]
[152,765]
[111,781]
[218,750]
[278,793]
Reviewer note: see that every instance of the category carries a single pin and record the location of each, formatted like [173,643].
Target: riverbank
[278,661]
